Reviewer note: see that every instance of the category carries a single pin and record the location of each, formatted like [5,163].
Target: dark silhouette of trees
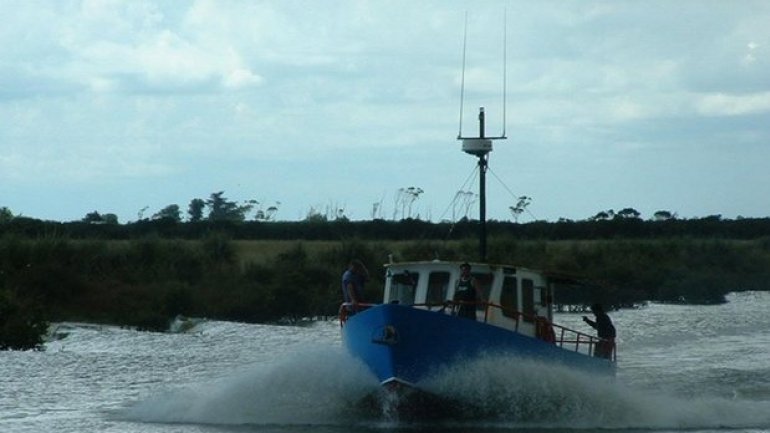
[5,215]
[521,205]
[628,213]
[22,321]
[195,210]
[663,215]
[603,215]
[97,218]
[170,212]
[405,198]
[221,209]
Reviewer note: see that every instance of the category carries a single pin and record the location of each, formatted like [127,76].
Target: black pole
[481,122]
[482,194]
[483,207]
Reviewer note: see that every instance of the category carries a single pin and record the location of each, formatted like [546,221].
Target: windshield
[402,287]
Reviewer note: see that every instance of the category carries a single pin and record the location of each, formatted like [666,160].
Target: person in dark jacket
[466,293]
[604,329]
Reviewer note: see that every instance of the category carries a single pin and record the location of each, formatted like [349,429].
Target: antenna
[462,79]
[481,146]
[505,64]
[504,95]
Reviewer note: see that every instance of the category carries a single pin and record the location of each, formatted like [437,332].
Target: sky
[339,107]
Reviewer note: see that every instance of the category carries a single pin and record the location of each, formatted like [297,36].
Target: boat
[416,331]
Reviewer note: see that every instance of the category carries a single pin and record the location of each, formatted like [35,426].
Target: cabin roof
[456,263]
[557,277]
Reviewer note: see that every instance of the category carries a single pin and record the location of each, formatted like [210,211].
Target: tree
[93,218]
[5,215]
[520,207]
[110,218]
[603,215]
[140,214]
[264,214]
[271,211]
[376,212]
[664,215]
[628,213]
[22,323]
[221,209]
[170,212]
[97,218]
[195,210]
[314,216]
[405,197]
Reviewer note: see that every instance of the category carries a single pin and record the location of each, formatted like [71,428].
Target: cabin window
[528,297]
[544,296]
[402,287]
[438,284]
[509,298]
[484,281]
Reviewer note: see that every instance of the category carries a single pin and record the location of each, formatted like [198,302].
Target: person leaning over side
[353,280]
[604,329]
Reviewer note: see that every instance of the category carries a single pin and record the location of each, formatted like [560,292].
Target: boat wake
[508,392]
[317,386]
[325,386]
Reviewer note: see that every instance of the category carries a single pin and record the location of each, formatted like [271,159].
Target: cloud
[721,104]
[122,46]
[240,78]
[114,91]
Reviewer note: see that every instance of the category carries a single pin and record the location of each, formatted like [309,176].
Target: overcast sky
[117,106]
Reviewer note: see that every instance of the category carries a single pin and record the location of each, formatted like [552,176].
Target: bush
[22,323]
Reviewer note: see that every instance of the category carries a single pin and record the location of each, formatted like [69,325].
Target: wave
[313,387]
[325,386]
[510,392]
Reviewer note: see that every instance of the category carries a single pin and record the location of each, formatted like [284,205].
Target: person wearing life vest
[466,293]
[604,329]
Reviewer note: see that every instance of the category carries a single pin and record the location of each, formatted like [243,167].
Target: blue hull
[405,344]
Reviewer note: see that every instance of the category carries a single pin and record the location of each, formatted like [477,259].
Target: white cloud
[720,104]
[102,85]
[172,60]
[750,56]
[239,78]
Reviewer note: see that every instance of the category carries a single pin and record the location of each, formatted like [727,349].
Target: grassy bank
[145,282]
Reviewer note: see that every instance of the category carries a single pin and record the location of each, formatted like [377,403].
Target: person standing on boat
[604,329]
[466,293]
[353,285]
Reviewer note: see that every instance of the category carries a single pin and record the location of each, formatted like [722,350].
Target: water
[682,368]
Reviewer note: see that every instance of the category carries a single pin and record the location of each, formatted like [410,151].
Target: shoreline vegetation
[146,273]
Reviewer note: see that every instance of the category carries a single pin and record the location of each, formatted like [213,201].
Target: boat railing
[561,336]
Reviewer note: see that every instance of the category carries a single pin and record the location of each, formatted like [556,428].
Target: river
[681,368]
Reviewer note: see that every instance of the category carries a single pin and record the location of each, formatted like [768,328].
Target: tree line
[323,229]
[219,208]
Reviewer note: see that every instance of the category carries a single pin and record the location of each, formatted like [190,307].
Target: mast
[480,147]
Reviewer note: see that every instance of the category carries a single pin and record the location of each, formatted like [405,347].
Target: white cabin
[513,298]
